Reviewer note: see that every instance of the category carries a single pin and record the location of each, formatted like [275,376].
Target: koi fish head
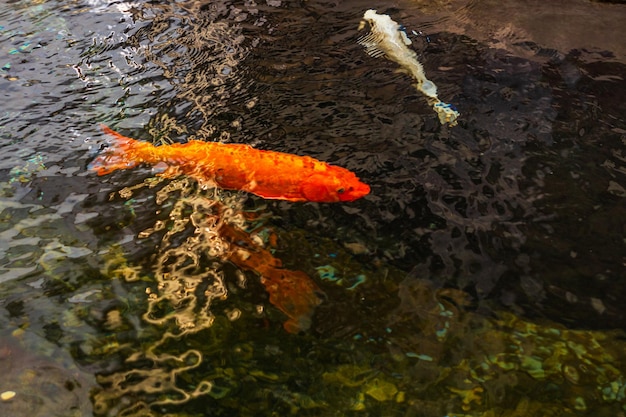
[384,33]
[329,188]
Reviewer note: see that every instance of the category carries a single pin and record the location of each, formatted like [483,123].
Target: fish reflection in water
[219,232]
[205,229]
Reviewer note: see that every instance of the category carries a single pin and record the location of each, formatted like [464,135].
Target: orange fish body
[268,174]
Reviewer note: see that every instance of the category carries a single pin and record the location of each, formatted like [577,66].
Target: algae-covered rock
[381,390]
[349,375]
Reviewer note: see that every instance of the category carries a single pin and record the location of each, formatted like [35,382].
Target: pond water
[482,276]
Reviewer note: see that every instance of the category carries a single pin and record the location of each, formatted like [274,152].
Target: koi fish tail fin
[123,153]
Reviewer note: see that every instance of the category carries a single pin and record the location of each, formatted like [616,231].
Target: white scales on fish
[387,38]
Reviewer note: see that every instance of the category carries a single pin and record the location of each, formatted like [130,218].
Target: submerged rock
[38,383]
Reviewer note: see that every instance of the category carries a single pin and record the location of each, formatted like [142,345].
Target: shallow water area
[482,276]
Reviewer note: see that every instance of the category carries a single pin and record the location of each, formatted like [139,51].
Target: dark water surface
[483,276]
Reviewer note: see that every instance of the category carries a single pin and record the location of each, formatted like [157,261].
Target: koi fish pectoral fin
[250,186]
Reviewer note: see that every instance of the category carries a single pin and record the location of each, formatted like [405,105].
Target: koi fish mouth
[354,192]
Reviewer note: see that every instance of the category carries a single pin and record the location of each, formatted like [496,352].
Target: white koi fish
[388,38]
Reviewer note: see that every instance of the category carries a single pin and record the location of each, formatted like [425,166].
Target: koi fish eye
[340,191]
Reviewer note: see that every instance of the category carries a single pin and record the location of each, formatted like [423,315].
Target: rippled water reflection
[482,275]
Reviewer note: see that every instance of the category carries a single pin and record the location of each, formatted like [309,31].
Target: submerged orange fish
[292,292]
[268,174]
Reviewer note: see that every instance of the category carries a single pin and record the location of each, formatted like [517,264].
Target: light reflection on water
[480,277]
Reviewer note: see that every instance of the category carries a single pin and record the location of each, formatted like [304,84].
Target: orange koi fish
[268,174]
